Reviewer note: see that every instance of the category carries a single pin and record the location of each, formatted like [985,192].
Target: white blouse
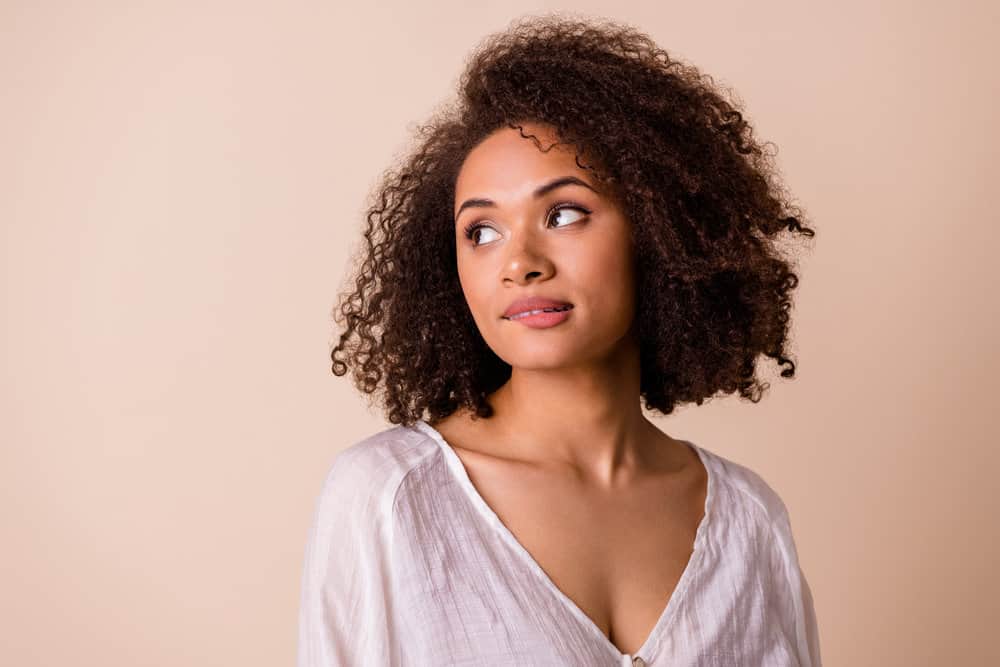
[406,564]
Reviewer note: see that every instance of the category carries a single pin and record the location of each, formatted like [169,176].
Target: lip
[543,320]
[534,303]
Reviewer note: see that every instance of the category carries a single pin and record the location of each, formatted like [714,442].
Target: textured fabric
[406,564]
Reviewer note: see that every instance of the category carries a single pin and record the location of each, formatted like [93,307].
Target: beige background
[182,184]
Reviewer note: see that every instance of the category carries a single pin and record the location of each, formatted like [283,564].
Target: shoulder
[747,489]
[748,499]
[753,503]
[362,480]
[749,504]
[754,489]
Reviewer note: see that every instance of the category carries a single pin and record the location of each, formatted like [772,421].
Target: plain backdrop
[181,188]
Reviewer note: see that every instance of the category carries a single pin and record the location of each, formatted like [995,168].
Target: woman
[590,226]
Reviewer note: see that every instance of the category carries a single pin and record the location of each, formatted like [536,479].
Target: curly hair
[702,196]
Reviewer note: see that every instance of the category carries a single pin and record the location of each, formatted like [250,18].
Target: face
[569,242]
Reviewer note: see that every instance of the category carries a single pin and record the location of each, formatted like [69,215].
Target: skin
[622,500]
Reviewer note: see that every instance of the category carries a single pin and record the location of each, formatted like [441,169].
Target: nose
[523,266]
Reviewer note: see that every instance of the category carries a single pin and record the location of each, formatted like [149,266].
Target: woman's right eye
[471,230]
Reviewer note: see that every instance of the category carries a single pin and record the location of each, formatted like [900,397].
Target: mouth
[538,311]
[542,318]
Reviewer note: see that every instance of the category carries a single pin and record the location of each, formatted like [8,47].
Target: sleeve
[795,599]
[345,612]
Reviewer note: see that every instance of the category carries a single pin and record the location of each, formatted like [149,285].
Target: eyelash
[472,227]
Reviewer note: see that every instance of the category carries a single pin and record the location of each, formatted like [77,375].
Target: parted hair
[702,195]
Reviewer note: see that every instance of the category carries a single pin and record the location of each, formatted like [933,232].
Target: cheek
[606,263]
[475,289]
[608,272]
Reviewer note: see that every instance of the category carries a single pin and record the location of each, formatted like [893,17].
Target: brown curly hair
[702,196]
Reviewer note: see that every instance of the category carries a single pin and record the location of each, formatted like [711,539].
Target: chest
[617,556]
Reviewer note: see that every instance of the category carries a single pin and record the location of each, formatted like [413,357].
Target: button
[638,662]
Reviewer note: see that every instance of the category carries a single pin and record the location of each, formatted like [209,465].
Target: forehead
[508,164]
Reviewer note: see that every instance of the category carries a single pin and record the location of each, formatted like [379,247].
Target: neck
[586,417]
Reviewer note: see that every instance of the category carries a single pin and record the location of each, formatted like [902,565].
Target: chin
[539,357]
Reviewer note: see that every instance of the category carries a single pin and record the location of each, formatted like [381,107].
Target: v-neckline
[652,641]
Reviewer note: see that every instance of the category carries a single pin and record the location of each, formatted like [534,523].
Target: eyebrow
[541,191]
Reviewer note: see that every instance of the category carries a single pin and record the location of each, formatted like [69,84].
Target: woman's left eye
[560,209]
